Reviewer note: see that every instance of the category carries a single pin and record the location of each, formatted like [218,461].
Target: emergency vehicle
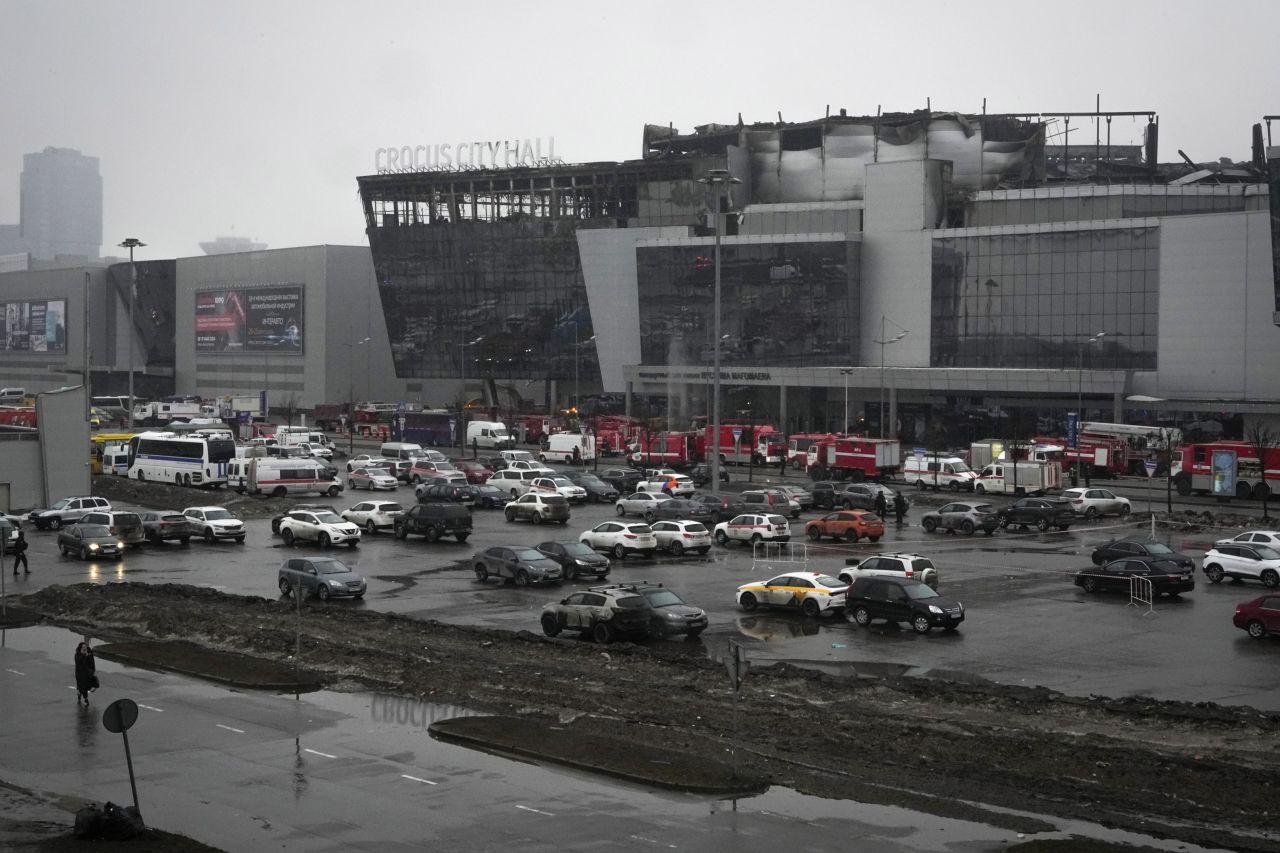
[798,447]
[854,458]
[1107,455]
[760,444]
[677,449]
[1193,469]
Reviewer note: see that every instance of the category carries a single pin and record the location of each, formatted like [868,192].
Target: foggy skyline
[254,120]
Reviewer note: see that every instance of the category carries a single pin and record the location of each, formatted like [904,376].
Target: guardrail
[789,554]
[1141,592]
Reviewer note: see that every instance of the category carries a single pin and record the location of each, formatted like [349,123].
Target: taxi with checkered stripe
[811,593]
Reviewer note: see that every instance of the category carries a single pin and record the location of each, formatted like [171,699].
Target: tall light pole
[883,342]
[462,408]
[716,178]
[846,371]
[131,243]
[577,362]
[1075,439]
[351,392]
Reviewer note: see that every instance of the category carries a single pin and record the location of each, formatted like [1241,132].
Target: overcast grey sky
[254,118]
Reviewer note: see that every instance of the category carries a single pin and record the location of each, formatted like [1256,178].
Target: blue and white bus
[183,460]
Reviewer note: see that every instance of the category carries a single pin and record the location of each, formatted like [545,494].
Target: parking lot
[1026,623]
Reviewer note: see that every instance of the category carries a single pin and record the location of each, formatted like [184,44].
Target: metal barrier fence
[1141,592]
[792,556]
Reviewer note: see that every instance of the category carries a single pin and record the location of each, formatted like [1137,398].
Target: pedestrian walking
[899,507]
[20,554]
[882,506]
[86,673]
[782,465]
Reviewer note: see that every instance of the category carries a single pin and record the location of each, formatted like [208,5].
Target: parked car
[165,525]
[576,559]
[475,472]
[804,497]
[514,481]
[669,614]
[434,520]
[538,507]
[67,511]
[517,563]
[542,469]
[603,613]
[1243,562]
[771,500]
[489,496]
[276,519]
[722,507]
[1093,503]
[1259,617]
[372,478]
[89,541]
[677,485]
[811,593]
[320,526]
[126,526]
[678,537]
[1166,576]
[215,523]
[562,486]
[372,516]
[445,493]
[1270,538]
[621,538]
[900,600]
[639,503]
[323,577]
[848,524]
[1119,549]
[909,566]
[830,495]
[424,469]
[1044,513]
[364,460]
[9,527]
[701,474]
[493,463]
[964,516]
[598,491]
[624,480]
[753,528]
[680,508]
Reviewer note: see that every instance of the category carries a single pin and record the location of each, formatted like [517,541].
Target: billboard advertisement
[250,319]
[1224,473]
[34,326]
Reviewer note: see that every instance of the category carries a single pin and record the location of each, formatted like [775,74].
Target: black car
[701,474]
[493,463]
[622,479]
[276,519]
[1043,513]
[434,520]
[446,493]
[490,497]
[598,491]
[669,613]
[516,563]
[832,495]
[722,507]
[901,600]
[1122,549]
[576,559]
[680,509]
[1166,576]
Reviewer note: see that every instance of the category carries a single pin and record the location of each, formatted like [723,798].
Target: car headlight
[120,544]
[336,584]
[674,617]
[933,608]
[93,546]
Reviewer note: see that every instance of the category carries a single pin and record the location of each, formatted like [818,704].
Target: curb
[220,667]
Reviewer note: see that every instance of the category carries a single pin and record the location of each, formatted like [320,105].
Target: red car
[1259,617]
[476,472]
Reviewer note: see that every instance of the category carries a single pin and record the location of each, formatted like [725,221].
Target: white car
[1091,502]
[561,486]
[364,460]
[514,481]
[215,522]
[322,526]
[535,465]
[753,528]
[371,478]
[681,485]
[621,538]
[639,503]
[1240,561]
[809,592]
[373,516]
[1270,538]
[677,537]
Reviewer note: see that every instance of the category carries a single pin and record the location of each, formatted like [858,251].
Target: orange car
[848,524]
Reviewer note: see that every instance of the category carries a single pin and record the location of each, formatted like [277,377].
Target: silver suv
[774,500]
[67,511]
[912,566]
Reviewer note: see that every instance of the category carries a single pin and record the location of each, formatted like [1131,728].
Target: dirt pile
[1197,772]
[154,495]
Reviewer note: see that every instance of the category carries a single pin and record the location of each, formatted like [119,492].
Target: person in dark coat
[899,507]
[86,673]
[20,554]
[882,506]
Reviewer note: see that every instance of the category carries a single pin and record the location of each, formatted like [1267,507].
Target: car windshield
[91,530]
[592,480]
[218,515]
[919,591]
[640,529]
[328,518]
[60,504]
[530,554]
[521,456]
[555,500]
[776,519]
[630,602]
[1267,553]
[695,527]
[1158,548]
[828,581]
[662,597]
[330,567]
[489,490]
[987,508]
[577,549]
[173,516]
[561,481]
[390,508]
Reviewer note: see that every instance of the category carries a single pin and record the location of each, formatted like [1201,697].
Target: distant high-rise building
[231,245]
[61,204]
[11,241]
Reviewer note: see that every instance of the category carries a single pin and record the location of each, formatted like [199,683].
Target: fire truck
[854,458]
[18,416]
[1193,468]
[675,449]
[614,432]
[1107,455]
[798,447]
[758,443]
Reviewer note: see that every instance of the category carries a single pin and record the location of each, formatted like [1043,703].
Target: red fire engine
[18,416]
[744,443]
[798,445]
[854,458]
[1193,469]
[675,449]
[1107,455]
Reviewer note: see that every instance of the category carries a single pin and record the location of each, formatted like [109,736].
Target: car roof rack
[631,586]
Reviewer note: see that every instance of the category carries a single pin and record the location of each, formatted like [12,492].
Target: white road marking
[652,841]
[321,754]
[15,672]
[536,811]
[228,728]
[416,779]
[149,708]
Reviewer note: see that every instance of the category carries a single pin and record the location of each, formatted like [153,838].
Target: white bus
[280,476]
[185,461]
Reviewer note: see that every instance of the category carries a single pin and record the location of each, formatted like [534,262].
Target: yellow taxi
[809,592]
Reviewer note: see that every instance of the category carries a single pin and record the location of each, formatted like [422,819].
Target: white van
[490,435]
[938,472]
[280,476]
[514,481]
[405,450]
[561,447]
[115,459]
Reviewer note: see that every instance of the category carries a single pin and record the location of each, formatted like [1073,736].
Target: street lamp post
[883,342]
[131,243]
[1075,439]
[717,178]
[846,371]
[351,392]
[462,408]
[577,363]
